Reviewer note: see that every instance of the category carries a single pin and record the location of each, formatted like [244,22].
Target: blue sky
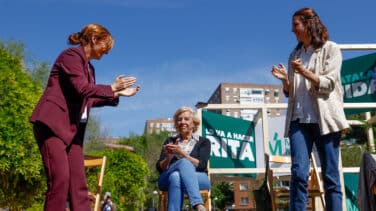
[180,50]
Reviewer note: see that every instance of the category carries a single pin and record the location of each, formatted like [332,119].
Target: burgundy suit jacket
[71,86]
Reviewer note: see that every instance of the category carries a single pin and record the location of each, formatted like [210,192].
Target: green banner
[357,76]
[232,139]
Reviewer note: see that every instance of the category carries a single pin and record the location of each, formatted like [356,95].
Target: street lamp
[154,194]
[215,199]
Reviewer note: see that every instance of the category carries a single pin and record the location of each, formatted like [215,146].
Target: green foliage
[14,48]
[20,163]
[149,147]
[40,72]
[224,193]
[352,155]
[125,177]
[359,132]
[137,142]
[93,136]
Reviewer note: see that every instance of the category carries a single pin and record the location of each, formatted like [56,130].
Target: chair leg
[97,202]
[162,201]
[313,203]
[205,197]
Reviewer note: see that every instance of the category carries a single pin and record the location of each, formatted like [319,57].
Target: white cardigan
[328,99]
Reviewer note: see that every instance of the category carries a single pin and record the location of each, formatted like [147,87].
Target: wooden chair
[205,194]
[163,199]
[280,194]
[93,161]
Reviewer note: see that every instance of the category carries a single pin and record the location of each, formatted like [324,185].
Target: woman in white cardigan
[315,112]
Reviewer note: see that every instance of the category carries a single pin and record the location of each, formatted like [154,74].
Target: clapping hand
[297,65]
[279,72]
[122,82]
[127,92]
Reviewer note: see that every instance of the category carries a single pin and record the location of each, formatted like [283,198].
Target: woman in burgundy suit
[61,115]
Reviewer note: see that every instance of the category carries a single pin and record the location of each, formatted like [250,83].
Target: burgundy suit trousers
[64,165]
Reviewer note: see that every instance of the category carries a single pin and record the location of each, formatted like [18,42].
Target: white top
[84,116]
[327,100]
[188,147]
[303,105]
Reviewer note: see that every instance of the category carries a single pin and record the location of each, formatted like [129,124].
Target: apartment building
[159,125]
[240,93]
[243,196]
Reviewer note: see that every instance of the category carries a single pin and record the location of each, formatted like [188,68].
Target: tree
[40,72]
[149,147]
[94,136]
[20,163]
[224,193]
[14,48]
[125,177]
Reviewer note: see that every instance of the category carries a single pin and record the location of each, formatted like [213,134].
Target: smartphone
[173,140]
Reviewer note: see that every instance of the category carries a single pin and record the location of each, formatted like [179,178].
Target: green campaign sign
[279,145]
[232,139]
[357,76]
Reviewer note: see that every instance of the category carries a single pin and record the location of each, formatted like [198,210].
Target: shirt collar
[194,136]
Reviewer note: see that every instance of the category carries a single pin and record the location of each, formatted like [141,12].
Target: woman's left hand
[297,65]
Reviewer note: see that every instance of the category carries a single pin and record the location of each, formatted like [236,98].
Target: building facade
[239,93]
[160,125]
[243,196]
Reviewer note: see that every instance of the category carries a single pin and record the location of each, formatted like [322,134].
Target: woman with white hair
[183,162]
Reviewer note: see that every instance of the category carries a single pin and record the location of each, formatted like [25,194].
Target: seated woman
[183,162]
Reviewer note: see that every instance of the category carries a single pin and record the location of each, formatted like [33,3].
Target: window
[227,90]
[244,201]
[276,93]
[257,91]
[267,95]
[243,186]
[267,92]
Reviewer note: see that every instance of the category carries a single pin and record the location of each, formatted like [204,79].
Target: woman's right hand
[280,72]
[127,92]
[122,82]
